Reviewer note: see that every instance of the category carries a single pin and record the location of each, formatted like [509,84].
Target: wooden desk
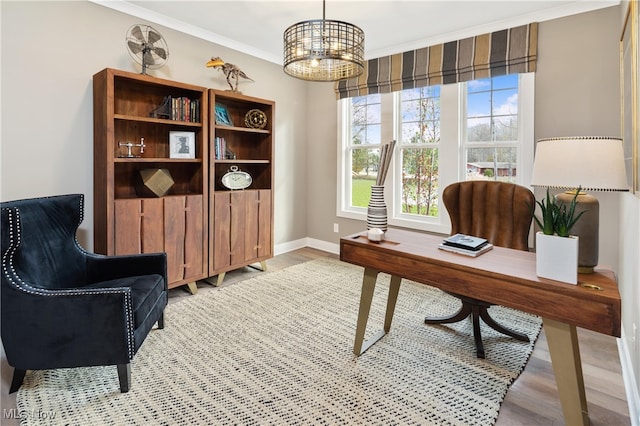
[502,276]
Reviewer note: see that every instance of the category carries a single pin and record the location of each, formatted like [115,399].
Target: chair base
[16,382]
[124,376]
[477,309]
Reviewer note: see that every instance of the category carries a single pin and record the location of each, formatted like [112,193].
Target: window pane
[479,129]
[364,170]
[495,163]
[481,85]
[505,128]
[479,104]
[505,82]
[420,181]
[420,114]
[505,102]
[365,120]
[492,109]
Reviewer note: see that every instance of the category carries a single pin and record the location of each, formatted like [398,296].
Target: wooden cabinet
[240,221]
[171,224]
[129,217]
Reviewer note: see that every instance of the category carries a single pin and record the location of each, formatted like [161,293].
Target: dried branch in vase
[386,152]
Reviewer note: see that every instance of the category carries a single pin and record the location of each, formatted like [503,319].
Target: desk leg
[366,296]
[565,357]
[394,288]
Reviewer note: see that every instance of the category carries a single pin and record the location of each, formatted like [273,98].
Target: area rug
[277,350]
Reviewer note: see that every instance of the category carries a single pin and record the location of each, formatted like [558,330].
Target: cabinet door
[138,226]
[220,227]
[183,238]
[242,228]
[229,214]
[172,225]
[257,224]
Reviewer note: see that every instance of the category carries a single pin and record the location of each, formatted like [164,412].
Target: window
[491,116]
[364,149]
[481,129]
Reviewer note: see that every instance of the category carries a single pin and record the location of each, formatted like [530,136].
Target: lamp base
[585,269]
[586,228]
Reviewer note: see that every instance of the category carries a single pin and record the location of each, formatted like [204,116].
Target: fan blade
[153,36]
[134,47]
[160,52]
[148,58]
[137,33]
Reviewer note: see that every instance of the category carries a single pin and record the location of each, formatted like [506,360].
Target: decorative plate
[255,119]
[236,179]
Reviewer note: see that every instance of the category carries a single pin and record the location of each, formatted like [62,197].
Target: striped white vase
[377,209]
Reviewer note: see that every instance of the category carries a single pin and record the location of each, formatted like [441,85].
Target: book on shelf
[473,253]
[220,148]
[466,242]
[181,108]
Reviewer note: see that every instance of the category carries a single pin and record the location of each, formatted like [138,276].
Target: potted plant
[556,248]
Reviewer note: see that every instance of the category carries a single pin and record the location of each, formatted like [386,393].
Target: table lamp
[593,163]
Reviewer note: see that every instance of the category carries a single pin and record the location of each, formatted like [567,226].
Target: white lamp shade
[591,162]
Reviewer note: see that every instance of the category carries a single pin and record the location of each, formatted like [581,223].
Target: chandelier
[323,50]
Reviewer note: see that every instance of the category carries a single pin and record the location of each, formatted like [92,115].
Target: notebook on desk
[467,242]
[473,253]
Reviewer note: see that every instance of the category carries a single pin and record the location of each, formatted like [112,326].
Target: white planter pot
[557,257]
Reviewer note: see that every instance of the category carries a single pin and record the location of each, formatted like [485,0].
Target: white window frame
[452,169]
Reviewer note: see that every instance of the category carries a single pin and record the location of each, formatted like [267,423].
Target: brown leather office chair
[499,212]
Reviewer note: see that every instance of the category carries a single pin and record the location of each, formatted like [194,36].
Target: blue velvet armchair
[63,307]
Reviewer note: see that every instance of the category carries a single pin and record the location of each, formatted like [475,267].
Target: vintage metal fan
[147,47]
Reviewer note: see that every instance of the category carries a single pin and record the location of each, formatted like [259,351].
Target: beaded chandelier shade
[323,50]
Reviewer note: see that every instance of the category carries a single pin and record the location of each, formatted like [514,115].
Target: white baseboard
[290,246]
[323,245]
[630,385]
[307,242]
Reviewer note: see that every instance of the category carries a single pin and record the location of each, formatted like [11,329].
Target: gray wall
[578,93]
[50,51]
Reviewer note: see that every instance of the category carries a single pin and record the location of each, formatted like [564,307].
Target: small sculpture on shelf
[230,71]
[255,119]
[129,146]
[164,110]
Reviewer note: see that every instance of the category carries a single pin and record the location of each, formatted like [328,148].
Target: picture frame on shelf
[182,145]
[222,115]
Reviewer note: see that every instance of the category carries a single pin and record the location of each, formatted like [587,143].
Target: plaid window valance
[502,52]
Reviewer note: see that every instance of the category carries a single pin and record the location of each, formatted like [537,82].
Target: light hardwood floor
[531,400]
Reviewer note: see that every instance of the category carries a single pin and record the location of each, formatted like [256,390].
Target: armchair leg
[124,376]
[161,321]
[18,377]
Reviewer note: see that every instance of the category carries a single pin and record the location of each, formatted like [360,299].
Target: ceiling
[391,26]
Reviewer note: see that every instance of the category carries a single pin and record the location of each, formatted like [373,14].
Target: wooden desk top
[502,276]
